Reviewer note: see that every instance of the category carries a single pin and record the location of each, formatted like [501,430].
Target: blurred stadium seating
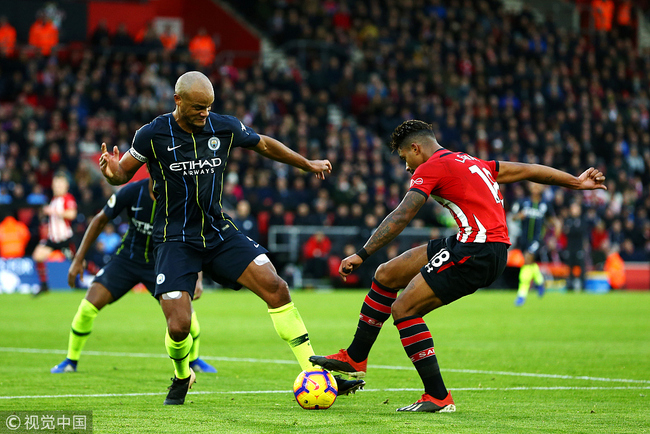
[496,83]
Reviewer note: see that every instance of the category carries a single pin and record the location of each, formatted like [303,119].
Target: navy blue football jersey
[137,244]
[187,170]
[533,222]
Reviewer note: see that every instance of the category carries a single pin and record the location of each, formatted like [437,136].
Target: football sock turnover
[289,326]
[82,325]
[374,312]
[179,352]
[418,344]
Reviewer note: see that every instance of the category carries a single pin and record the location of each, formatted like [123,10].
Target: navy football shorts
[122,274]
[177,263]
[458,269]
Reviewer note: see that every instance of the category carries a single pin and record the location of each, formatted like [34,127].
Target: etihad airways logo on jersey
[142,227]
[196,167]
[418,181]
[536,213]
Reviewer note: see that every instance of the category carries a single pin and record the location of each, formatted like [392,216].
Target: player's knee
[277,293]
[396,311]
[179,328]
[276,285]
[400,309]
[98,295]
[38,255]
[385,275]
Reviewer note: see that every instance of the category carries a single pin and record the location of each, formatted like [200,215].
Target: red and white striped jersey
[58,228]
[467,187]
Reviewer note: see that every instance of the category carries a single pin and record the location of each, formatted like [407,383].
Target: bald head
[193,81]
[193,95]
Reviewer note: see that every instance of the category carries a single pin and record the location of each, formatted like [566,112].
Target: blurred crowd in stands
[494,84]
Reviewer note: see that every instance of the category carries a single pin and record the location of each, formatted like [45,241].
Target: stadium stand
[495,84]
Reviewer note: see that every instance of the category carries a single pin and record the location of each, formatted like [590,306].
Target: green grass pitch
[566,363]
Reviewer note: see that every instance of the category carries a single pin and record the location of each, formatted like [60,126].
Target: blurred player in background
[443,270]
[61,211]
[132,263]
[186,152]
[533,213]
[577,232]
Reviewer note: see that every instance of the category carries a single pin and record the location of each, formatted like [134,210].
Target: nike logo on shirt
[136,209]
[171,149]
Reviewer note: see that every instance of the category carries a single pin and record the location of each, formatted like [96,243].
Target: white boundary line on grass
[291,362]
[258,392]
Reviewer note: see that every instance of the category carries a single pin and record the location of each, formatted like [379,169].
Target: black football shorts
[458,269]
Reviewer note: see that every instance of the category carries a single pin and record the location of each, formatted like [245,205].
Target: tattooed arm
[389,228]
[395,222]
[590,179]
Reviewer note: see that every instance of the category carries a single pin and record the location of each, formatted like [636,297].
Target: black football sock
[418,344]
[374,312]
[41,270]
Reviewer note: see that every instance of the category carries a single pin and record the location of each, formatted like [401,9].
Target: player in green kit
[532,212]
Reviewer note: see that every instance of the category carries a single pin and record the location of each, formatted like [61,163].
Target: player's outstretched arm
[116,171]
[275,150]
[95,228]
[590,179]
[388,229]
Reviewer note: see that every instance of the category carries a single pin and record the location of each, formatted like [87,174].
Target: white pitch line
[292,362]
[109,395]
[258,392]
[478,389]
[562,377]
[144,355]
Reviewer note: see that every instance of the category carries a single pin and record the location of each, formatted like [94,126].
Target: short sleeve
[141,146]
[424,180]
[117,202]
[244,136]
[493,165]
[69,202]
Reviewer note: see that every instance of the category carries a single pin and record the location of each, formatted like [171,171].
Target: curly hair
[408,129]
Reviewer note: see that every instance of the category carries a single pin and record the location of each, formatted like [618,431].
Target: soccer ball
[315,390]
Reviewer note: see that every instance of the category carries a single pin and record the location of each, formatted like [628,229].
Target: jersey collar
[177,127]
[446,152]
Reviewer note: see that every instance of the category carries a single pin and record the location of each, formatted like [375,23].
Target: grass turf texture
[484,344]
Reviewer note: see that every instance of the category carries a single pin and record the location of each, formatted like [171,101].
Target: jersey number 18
[486,176]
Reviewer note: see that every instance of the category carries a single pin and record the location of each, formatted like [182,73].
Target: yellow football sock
[289,326]
[179,352]
[538,277]
[525,276]
[195,331]
[82,325]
